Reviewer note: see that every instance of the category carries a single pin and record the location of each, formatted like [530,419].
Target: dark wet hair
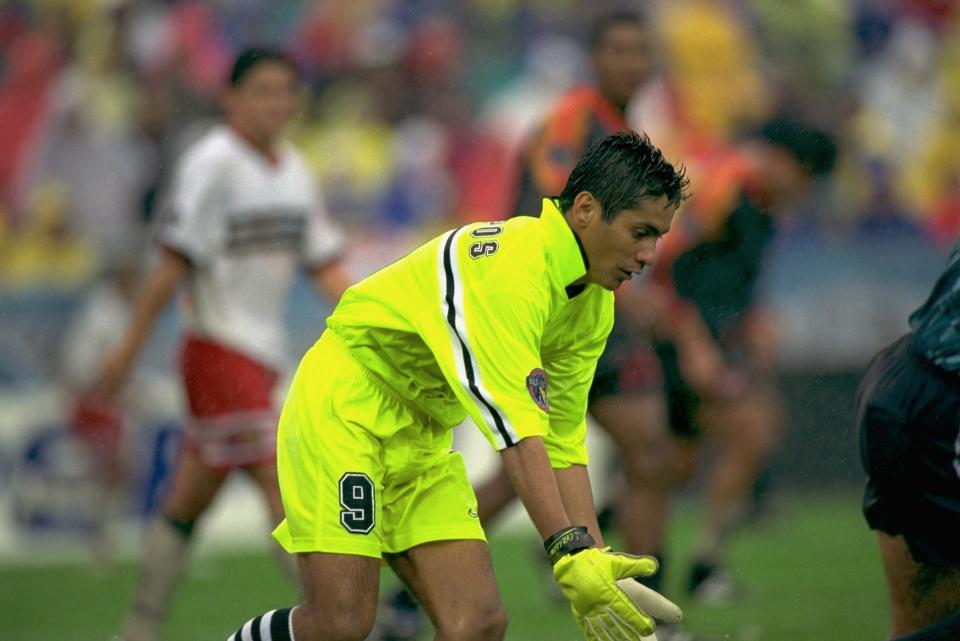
[813,149]
[606,21]
[620,171]
[250,58]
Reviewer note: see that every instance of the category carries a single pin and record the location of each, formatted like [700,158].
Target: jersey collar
[568,261]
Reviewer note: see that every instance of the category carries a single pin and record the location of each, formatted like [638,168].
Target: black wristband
[569,540]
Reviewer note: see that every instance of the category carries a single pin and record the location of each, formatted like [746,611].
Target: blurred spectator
[715,69]
[943,221]
[101,426]
[32,56]
[883,216]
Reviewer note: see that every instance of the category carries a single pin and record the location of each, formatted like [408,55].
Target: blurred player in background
[100,424]
[624,397]
[500,321]
[241,216]
[715,341]
[909,421]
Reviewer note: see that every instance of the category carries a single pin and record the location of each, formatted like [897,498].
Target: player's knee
[644,470]
[477,624]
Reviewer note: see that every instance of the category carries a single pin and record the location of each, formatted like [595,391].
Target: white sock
[164,555]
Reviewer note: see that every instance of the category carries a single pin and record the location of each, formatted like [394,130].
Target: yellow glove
[588,579]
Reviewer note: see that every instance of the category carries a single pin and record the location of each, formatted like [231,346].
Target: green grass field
[811,572]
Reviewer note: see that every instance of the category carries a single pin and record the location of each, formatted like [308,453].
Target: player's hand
[113,372]
[588,578]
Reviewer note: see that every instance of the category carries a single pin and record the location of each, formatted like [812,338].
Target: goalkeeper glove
[588,578]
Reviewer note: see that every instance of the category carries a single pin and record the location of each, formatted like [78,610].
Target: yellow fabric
[603,611]
[462,325]
[341,424]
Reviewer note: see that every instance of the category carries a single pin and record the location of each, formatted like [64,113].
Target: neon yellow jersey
[482,321]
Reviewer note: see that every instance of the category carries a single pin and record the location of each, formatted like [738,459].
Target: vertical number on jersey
[488,230]
[489,247]
[356,499]
[486,248]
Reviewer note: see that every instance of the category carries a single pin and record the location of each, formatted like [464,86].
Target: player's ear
[585,208]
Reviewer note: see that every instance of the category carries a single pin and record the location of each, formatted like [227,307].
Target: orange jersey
[581,117]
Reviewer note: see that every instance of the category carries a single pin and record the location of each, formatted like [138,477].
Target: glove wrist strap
[569,540]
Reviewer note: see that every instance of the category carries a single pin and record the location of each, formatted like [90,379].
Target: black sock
[944,630]
[700,571]
[272,626]
[654,582]
[183,527]
[404,599]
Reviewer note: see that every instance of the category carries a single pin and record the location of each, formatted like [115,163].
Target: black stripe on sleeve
[467,361]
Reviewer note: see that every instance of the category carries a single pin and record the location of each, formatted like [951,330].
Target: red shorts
[232,417]
[99,426]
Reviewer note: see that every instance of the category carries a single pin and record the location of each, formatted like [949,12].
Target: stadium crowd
[414,108]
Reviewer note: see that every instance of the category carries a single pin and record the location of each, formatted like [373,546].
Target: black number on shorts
[356,499]
[491,229]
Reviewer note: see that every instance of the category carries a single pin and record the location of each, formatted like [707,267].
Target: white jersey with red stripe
[246,222]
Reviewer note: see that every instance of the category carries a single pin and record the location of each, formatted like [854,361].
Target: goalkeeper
[502,322]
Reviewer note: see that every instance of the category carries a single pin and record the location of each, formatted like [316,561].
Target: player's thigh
[454,582]
[193,486]
[920,593]
[339,596]
[332,461]
[264,474]
[751,422]
[637,424]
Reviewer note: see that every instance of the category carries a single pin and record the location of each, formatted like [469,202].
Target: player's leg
[907,418]
[637,424]
[921,594]
[330,465]
[99,428]
[494,495]
[167,539]
[264,474]
[339,602]
[434,540]
[400,617]
[746,431]
[454,582]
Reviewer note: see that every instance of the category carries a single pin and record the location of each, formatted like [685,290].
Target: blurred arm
[156,292]
[331,280]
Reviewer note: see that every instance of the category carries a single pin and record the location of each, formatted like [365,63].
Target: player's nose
[645,251]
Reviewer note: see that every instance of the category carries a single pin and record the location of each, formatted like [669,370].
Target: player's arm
[331,280]
[154,296]
[577,496]
[321,251]
[528,467]
[605,600]
[185,232]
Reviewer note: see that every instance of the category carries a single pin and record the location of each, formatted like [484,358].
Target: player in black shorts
[715,340]
[909,421]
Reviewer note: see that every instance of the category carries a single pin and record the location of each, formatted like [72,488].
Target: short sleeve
[572,374]
[495,314]
[323,241]
[190,213]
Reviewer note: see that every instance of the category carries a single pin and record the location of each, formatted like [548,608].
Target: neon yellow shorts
[363,471]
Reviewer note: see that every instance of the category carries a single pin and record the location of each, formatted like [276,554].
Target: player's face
[623,61]
[265,100]
[619,248]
